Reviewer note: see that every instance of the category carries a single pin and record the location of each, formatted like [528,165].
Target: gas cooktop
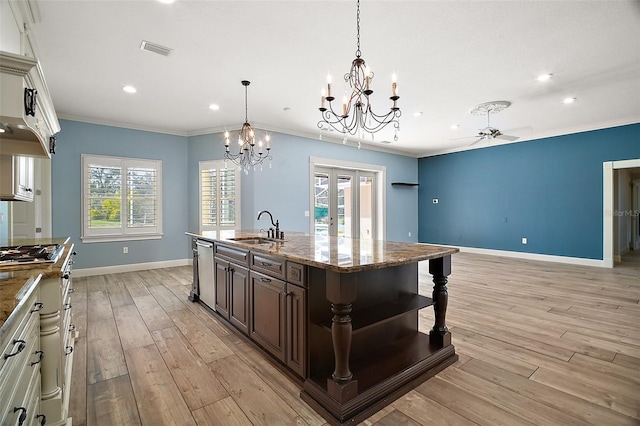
[26,254]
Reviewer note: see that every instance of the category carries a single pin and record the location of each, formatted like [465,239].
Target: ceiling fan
[489,132]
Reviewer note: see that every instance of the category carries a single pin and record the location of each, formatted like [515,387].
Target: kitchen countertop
[15,278]
[340,254]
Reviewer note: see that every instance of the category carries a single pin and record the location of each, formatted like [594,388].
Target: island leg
[341,292]
[440,269]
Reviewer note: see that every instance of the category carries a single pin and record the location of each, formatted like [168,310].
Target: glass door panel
[367,207]
[321,204]
[344,212]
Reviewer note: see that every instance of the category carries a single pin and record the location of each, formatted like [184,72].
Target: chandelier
[248,155]
[356,116]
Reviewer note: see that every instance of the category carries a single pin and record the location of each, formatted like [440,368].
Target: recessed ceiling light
[214,107]
[454,126]
[129,89]
[167,1]
[417,114]
[544,77]
[568,100]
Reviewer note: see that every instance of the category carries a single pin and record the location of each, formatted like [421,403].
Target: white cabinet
[16,178]
[20,361]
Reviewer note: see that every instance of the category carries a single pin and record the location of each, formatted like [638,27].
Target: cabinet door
[296,331]
[24,177]
[239,294]
[221,287]
[268,319]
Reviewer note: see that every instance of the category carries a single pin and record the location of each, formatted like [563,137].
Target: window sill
[114,238]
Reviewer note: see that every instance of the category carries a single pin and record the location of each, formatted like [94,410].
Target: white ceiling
[448,55]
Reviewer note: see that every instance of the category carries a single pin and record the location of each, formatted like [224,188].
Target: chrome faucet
[277,234]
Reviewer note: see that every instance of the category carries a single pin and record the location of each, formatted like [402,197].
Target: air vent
[155,48]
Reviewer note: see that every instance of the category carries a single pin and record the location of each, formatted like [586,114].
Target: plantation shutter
[104,195]
[141,197]
[219,196]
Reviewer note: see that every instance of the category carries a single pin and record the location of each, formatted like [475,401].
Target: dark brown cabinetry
[231,288]
[278,319]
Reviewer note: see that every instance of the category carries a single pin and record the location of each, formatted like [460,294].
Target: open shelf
[378,314]
[404,184]
[415,353]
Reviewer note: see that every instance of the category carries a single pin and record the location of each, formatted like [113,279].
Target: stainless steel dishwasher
[205,272]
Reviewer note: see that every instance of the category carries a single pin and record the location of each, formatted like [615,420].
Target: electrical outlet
[306,213]
[524,240]
[409,233]
[125,250]
[435,201]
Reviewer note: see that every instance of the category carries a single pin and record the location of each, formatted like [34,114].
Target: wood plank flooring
[539,343]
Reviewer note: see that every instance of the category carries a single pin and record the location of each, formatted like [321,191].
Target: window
[122,198]
[219,196]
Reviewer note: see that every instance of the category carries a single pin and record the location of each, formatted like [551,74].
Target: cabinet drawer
[19,370]
[238,255]
[296,274]
[268,265]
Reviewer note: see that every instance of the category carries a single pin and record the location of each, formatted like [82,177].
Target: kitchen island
[340,314]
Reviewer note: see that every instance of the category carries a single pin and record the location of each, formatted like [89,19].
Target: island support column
[341,293]
[440,269]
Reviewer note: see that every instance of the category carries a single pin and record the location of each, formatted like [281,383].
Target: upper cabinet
[16,178]
[28,119]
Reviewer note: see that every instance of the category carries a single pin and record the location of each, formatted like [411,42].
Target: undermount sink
[255,240]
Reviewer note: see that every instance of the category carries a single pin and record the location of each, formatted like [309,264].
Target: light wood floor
[539,343]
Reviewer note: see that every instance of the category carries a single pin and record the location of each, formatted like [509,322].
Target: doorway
[347,201]
[617,217]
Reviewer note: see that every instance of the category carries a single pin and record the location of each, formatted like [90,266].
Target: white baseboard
[87,272]
[532,256]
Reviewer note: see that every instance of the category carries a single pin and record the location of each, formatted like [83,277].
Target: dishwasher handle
[205,244]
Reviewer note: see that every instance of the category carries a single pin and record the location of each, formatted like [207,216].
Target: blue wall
[283,189]
[78,138]
[548,190]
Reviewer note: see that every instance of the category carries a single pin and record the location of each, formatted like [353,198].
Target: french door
[345,203]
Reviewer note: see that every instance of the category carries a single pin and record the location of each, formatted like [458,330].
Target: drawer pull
[266,264]
[43,419]
[68,350]
[265,280]
[23,415]
[21,347]
[40,356]
[38,307]
[67,306]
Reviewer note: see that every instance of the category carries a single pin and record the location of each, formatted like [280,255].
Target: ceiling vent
[155,48]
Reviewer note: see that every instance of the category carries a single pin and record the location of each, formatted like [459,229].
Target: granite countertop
[340,254]
[15,277]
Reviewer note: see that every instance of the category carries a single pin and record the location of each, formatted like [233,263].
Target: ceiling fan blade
[476,141]
[464,137]
[507,137]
